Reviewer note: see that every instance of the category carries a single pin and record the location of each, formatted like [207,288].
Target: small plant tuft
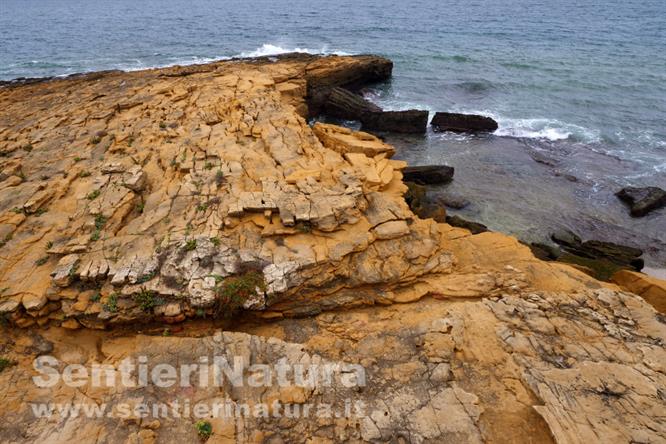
[215,240]
[147,300]
[95,140]
[204,429]
[41,261]
[96,297]
[40,211]
[111,304]
[232,292]
[191,245]
[219,177]
[84,174]
[93,195]
[6,363]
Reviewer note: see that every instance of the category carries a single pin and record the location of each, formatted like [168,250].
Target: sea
[578,87]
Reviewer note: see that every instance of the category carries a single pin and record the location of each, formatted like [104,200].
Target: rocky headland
[188,211]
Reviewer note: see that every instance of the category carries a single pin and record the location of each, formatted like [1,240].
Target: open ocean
[578,86]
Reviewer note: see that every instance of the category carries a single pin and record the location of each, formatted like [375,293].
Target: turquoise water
[580,83]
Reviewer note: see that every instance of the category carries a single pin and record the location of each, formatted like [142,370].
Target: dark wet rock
[418,201]
[463,123]
[602,269]
[431,211]
[641,201]
[452,201]
[410,121]
[473,227]
[415,195]
[566,238]
[322,78]
[604,258]
[428,174]
[545,252]
[344,104]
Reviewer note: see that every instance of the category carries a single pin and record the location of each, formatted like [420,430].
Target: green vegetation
[145,277]
[100,220]
[93,195]
[163,125]
[77,159]
[95,140]
[4,241]
[6,363]
[40,211]
[219,177]
[233,291]
[49,245]
[147,300]
[202,207]
[208,166]
[111,304]
[304,227]
[191,245]
[204,429]
[84,174]
[140,206]
[41,261]
[96,297]
[215,241]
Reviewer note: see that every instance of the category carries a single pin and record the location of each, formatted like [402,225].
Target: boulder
[463,123]
[410,121]
[473,227]
[641,201]
[428,174]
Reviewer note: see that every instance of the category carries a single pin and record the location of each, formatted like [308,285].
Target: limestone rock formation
[131,203]
[148,189]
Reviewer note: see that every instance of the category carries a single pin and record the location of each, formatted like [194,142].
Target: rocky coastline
[208,203]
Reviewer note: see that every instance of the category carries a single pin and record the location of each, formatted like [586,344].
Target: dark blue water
[581,83]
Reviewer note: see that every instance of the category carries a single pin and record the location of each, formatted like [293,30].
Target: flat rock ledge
[149,190]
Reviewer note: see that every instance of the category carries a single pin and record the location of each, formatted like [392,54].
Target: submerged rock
[451,200]
[428,174]
[462,123]
[642,201]
[473,227]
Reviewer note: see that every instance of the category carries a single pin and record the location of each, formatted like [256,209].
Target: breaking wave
[268,49]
